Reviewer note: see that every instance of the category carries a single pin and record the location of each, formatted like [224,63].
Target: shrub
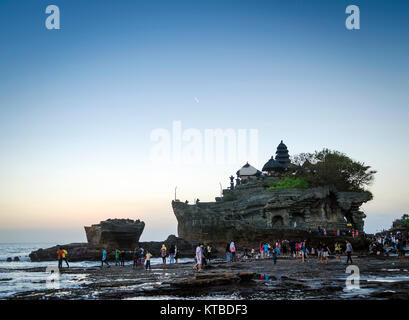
[290,183]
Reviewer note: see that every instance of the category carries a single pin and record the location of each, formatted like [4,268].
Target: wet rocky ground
[380,278]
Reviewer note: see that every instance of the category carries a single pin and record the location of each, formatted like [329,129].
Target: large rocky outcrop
[115,233]
[251,213]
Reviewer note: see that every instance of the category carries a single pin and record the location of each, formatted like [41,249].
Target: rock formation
[251,212]
[89,252]
[115,233]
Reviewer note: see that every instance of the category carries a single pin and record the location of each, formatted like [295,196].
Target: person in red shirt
[60,253]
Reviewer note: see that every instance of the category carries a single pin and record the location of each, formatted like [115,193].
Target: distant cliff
[251,212]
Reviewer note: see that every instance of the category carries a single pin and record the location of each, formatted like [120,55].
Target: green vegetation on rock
[328,167]
[289,183]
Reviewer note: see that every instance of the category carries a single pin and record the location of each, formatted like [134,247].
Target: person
[141,254]
[135,258]
[172,254]
[104,258]
[176,254]
[64,257]
[122,258]
[228,253]
[325,253]
[148,260]
[319,251]
[233,251]
[285,248]
[274,252]
[292,248]
[304,251]
[59,257]
[209,252]
[261,250]
[163,253]
[252,253]
[349,251]
[337,250]
[117,257]
[265,250]
[199,257]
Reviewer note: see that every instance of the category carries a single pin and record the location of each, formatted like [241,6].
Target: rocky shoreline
[380,278]
[90,252]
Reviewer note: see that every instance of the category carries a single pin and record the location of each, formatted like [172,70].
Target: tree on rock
[335,168]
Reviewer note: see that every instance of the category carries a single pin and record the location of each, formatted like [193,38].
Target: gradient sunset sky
[78,105]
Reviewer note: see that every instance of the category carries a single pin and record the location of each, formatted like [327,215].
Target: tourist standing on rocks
[233,251]
[59,257]
[148,260]
[228,253]
[209,252]
[319,251]
[304,251]
[141,255]
[325,252]
[176,254]
[117,257]
[274,251]
[401,251]
[64,257]
[265,250]
[261,250]
[171,253]
[277,247]
[252,253]
[104,258]
[135,258]
[292,248]
[163,253]
[122,258]
[349,251]
[199,257]
[337,250]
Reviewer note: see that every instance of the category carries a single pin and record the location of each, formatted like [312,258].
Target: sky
[80,106]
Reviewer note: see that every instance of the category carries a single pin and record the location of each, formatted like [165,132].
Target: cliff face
[115,233]
[252,212]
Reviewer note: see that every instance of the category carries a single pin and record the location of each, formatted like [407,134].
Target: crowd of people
[291,249]
[389,242]
[142,257]
[381,244]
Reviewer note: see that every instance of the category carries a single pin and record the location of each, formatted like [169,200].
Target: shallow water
[15,277]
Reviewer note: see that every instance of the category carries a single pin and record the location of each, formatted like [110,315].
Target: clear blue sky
[78,105]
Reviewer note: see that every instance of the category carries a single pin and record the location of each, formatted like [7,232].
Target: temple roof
[273,165]
[248,170]
[282,154]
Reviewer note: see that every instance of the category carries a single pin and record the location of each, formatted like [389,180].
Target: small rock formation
[16,259]
[115,233]
[251,212]
[76,252]
[9,259]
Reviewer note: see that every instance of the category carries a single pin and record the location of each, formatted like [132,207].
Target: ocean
[15,277]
